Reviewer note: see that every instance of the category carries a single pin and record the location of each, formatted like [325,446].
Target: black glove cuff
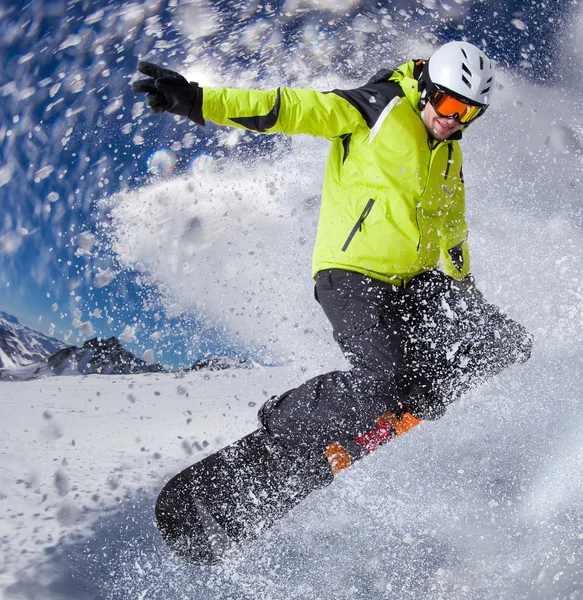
[195,113]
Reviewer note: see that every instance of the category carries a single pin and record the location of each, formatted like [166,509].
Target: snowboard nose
[186,526]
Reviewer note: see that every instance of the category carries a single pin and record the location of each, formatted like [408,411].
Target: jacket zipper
[449,153]
[358,224]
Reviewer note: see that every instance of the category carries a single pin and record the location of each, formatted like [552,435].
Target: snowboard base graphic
[215,506]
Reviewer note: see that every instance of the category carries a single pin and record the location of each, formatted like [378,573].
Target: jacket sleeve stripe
[261,123]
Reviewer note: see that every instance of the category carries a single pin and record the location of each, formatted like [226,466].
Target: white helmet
[463,69]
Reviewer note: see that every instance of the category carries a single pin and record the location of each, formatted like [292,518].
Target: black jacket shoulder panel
[380,76]
[373,97]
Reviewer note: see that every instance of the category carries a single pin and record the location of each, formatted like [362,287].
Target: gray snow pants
[413,349]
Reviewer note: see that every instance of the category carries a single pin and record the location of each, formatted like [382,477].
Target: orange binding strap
[388,427]
[338,458]
[402,425]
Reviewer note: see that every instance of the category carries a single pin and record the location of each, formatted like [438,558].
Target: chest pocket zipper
[358,225]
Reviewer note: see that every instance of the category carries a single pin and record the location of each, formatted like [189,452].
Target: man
[392,214]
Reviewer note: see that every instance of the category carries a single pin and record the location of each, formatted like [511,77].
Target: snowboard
[211,509]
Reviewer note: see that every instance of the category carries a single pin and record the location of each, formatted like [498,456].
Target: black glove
[168,91]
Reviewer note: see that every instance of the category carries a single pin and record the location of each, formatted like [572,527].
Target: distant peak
[9,318]
[97,342]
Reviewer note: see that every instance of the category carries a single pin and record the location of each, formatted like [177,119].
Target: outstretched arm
[284,110]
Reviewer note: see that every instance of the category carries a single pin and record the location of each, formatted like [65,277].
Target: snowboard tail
[211,508]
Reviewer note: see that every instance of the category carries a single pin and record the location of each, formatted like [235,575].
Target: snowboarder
[391,261]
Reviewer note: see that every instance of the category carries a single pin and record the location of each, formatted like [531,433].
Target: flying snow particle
[333,6]
[85,241]
[86,328]
[26,58]
[198,19]
[519,24]
[103,278]
[563,139]
[188,140]
[77,84]
[95,17]
[6,173]
[25,93]
[137,110]
[50,432]
[174,310]
[128,334]
[9,243]
[71,40]
[186,447]
[148,356]
[113,106]
[62,483]
[54,89]
[66,514]
[53,196]
[113,481]
[43,173]
[193,230]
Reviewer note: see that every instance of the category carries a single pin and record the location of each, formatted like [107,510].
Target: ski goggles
[448,106]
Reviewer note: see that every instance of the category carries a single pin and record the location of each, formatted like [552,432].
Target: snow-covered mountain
[26,353]
[96,356]
[21,345]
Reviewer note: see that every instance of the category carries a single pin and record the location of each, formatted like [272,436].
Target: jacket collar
[405,77]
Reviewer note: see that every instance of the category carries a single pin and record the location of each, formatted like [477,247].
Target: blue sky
[69,133]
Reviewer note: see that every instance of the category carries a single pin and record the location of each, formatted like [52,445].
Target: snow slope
[485,503]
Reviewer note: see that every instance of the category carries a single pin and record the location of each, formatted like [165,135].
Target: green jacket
[393,199]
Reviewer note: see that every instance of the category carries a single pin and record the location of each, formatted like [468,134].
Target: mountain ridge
[21,345]
[26,353]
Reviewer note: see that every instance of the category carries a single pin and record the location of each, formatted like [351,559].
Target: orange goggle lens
[448,106]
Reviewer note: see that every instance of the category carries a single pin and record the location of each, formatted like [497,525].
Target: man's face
[439,128]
